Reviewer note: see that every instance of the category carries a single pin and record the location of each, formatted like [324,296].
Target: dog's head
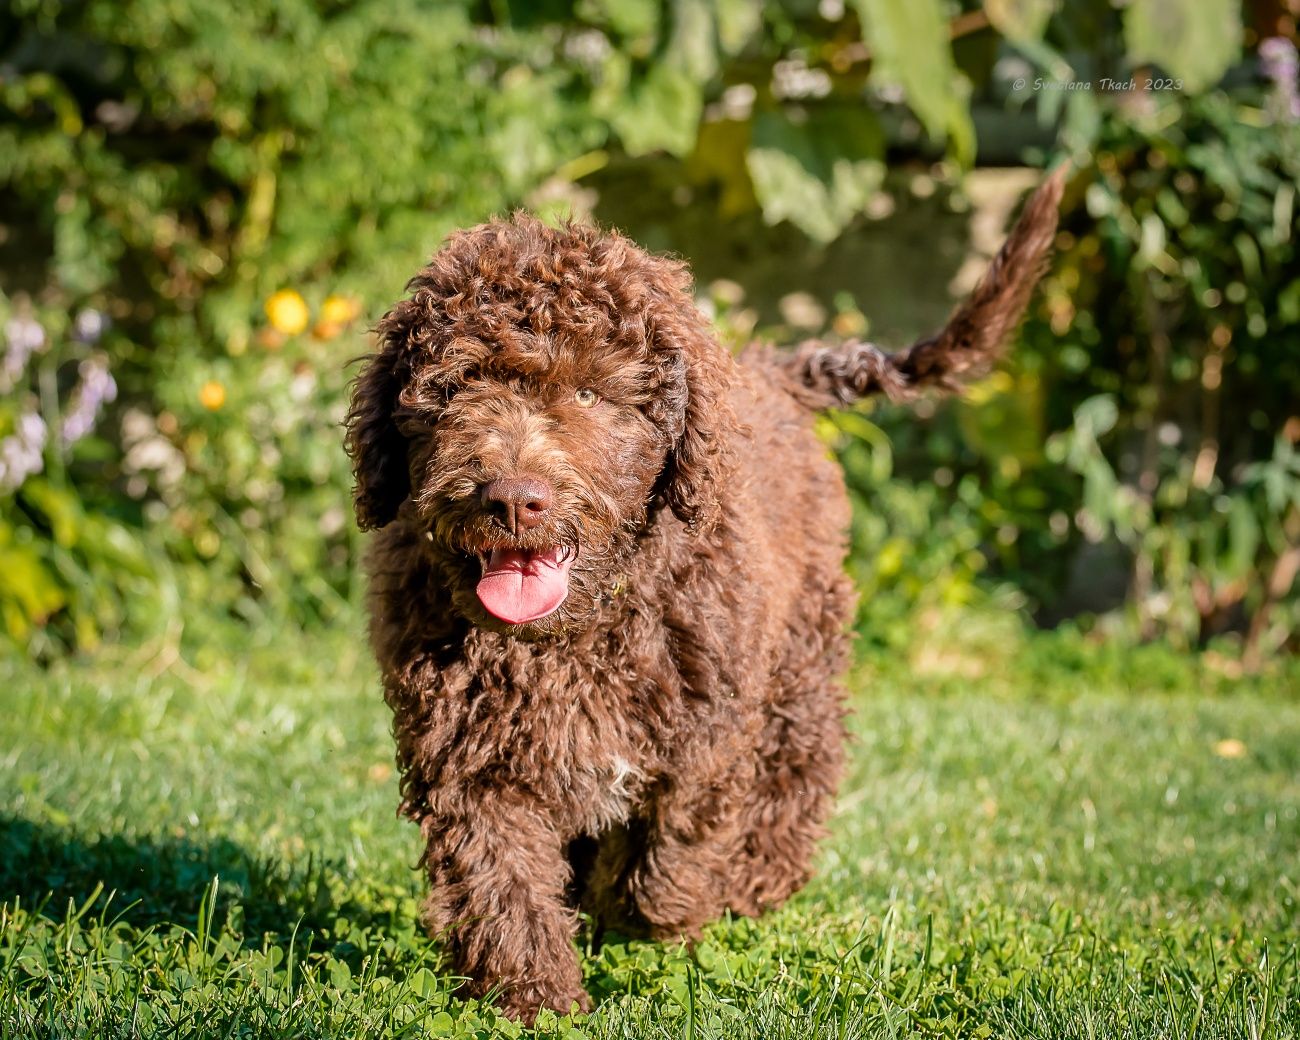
[537,394]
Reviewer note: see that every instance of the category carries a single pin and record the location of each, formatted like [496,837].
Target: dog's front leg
[685,875]
[498,876]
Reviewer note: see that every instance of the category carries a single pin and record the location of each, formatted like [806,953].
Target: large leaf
[1192,40]
[663,111]
[910,47]
[692,46]
[738,22]
[819,173]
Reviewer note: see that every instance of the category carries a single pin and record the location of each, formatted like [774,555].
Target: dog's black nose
[518,502]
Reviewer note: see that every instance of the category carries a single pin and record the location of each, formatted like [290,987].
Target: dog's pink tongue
[520,585]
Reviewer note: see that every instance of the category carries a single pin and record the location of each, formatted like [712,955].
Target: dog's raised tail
[973,339]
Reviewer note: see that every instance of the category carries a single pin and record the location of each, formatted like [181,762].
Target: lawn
[1088,844]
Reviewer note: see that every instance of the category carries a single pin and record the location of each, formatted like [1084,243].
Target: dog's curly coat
[549,415]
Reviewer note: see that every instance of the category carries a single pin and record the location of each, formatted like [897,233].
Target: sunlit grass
[1083,844]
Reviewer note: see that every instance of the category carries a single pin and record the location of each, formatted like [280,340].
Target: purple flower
[23,337]
[97,388]
[21,452]
[89,325]
[1281,62]
[1281,65]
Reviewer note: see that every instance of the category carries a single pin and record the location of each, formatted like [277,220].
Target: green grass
[210,849]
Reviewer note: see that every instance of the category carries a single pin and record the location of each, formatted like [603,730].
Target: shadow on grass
[160,881]
[155,882]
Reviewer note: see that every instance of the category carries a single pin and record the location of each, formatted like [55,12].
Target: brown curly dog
[607,591]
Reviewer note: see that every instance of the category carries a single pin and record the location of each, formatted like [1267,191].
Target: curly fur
[666,744]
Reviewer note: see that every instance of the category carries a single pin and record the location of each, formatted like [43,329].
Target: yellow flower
[212,395]
[1230,747]
[288,312]
[339,310]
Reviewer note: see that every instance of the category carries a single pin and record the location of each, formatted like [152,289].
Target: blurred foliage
[1180,279]
[1151,406]
[233,190]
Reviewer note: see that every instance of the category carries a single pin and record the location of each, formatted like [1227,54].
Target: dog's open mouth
[522,585]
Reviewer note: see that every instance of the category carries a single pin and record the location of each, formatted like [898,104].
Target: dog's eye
[586,398]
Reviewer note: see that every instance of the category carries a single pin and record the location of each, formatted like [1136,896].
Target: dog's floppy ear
[696,384]
[373,441]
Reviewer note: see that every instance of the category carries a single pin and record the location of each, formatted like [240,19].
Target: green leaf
[817,174]
[875,442]
[1244,536]
[633,20]
[663,112]
[59,506]
[1020,20]
[1192,40]
[738,22]
[1096,416]
[910,47]
[692,47]
[26,582]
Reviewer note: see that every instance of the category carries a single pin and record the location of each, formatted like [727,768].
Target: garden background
[204,206]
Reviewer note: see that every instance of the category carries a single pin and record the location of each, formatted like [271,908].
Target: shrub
[236,190]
